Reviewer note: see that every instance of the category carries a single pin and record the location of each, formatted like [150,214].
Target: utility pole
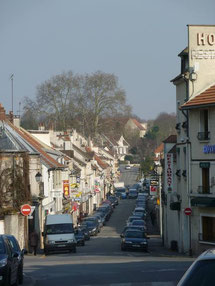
[11,77]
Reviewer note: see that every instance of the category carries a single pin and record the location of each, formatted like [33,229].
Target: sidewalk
[155,242]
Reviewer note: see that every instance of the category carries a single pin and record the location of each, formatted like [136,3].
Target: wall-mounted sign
[209,149]
[169,171]
[204,164]
[66,188]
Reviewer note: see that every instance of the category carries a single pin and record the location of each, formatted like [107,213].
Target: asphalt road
[101,262]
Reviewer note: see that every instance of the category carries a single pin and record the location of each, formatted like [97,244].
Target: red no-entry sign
[188,211]
[26,209]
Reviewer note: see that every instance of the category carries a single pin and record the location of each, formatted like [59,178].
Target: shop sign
[169,171]
[209,149]
[66,188]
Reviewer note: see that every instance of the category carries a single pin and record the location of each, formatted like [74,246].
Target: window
[204,133]
[205,181]
[208,228]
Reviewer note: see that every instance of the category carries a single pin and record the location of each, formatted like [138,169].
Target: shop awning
[203,202]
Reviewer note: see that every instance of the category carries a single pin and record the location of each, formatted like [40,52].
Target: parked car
[121,193]
[93,219]
[131,219]
[201,271]
[140,210]
[79,236]
[134,239]
[114,200]
[16,248]
[8,263]
[139,222]
[106,209]
[132,194]
[132,227]
[91,226]
[100,219]
[127,167]
[136,187]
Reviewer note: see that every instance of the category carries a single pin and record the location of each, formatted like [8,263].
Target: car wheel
[83,243]
[74,250]
[20,275]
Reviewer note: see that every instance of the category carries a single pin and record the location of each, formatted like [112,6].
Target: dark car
[106,210]
[132,194]
[93,219]
[16,248]
[139,222]
[137,187]
[92,227]
[134,239]
[121,193]
[85,230]
[114,200]
[79,236]
[8,263]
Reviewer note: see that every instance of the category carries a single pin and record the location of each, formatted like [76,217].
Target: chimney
[2,112]
[11,116]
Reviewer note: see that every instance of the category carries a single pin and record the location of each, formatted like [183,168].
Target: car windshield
[132,191]
[138,222]
[2,248]
[59,228]
[201,274]
[132,218]
[134,234]
[121,190]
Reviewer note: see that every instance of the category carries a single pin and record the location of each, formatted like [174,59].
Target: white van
[59,233]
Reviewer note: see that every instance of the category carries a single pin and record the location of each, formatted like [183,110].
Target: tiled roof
[102,164]
[171,139]
[52,163]
[203,99]
[159,149]
[138,124]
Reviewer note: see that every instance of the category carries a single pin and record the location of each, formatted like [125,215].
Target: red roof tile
[138,124]
[159,149]
[203,99]
[47,158]
[171,139]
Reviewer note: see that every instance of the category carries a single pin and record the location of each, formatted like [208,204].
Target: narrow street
[101,262]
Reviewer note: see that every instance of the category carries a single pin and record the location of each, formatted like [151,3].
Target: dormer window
[184,64]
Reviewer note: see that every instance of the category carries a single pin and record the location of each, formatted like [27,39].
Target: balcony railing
[203,136]
[206,237]
[204,190]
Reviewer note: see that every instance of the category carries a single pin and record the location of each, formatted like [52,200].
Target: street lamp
[38,177]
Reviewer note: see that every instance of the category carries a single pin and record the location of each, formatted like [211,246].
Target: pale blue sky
[137,40]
